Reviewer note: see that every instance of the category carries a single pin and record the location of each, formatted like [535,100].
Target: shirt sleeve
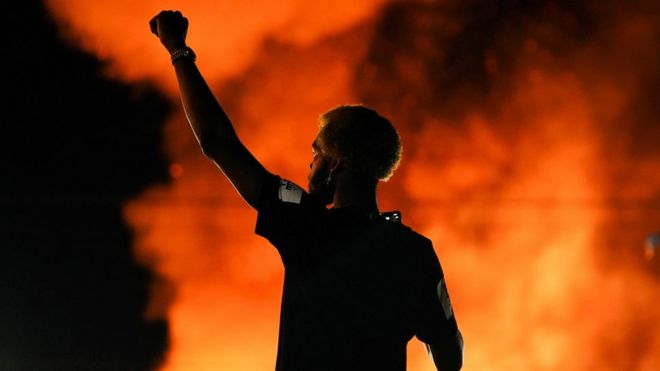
[286,215]
[434,319]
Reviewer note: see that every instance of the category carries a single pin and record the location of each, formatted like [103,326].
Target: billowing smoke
[228,34]
[531,157]
[533,129]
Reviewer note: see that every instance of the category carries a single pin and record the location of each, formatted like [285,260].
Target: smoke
[533,130]
[226,34]
[531,158]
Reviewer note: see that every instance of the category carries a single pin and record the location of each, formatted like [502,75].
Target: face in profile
[319,174]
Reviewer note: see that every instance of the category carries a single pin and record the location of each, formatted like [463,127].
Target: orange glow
[176,170]
[226,34]
[522,218]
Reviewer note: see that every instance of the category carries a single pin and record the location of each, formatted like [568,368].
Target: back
[356,288]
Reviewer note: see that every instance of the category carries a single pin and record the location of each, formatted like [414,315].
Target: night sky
[75,147]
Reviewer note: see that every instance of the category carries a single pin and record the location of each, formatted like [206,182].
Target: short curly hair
[365,140]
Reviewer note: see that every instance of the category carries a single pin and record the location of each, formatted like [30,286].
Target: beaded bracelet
[184,52]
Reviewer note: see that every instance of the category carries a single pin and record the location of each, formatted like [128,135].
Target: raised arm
[210,124]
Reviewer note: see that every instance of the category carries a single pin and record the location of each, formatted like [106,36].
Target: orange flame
[517,216]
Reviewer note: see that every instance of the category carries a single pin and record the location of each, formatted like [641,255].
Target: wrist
[184,52]
[173,46]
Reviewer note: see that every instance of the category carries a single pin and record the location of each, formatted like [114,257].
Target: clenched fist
[171,28]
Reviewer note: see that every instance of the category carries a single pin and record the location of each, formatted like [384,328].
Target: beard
[321,189]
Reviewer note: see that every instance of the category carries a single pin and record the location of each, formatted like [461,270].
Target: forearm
[209,122]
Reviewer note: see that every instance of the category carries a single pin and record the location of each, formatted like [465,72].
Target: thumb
[153,25]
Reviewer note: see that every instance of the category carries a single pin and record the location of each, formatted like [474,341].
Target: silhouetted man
[358,284]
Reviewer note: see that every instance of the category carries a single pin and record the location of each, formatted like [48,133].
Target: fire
[227,34]
[523,188]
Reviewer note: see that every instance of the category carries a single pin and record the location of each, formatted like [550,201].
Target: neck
[356,192]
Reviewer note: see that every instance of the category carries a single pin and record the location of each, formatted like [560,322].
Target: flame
[537,193]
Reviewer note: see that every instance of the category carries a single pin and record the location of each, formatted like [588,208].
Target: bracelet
[184,52]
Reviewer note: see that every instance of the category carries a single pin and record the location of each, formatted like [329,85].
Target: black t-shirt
[356,288]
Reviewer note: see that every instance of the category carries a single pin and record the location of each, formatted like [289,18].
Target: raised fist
[171,28]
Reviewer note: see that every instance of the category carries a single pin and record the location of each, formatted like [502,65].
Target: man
[358,284]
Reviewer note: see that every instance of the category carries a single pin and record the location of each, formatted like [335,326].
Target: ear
[336,166]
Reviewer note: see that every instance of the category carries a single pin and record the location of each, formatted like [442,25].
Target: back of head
[367,142]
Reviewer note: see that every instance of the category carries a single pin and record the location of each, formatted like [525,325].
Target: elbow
[208,149]
[212,148]
[217,146]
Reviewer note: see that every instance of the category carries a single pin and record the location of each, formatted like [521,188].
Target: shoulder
[406,232]
[282,193]
[288,216]
[289,192]
[413,242]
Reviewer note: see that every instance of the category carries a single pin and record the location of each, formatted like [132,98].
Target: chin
[322,194]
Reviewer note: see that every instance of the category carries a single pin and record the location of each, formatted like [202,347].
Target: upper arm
[433,315]
[447,355]
[434,321]
[243,170]
[216,135]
